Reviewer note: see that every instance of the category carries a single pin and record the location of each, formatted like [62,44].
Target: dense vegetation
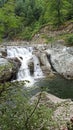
[21,19]
[18,113]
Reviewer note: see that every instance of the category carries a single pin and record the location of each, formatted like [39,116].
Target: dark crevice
[49,59]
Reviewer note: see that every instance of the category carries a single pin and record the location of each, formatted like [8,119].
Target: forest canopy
[21,19]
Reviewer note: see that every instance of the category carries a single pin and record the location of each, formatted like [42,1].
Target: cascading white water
[37,70]
[24,54]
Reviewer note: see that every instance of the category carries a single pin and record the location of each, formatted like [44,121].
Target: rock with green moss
[8,69]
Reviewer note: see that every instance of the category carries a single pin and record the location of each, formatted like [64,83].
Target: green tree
[2,2]
[58,11]
[9,23]
[29,10]
[29,16]
[70,10]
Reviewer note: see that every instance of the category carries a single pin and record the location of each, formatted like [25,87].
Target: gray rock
[62,61]
[44,62]
[70,50]
[8,69]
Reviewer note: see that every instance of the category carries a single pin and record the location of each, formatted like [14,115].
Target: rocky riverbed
[52,59]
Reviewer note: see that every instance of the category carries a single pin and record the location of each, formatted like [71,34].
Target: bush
[69,39]
[16,113]
[26,34]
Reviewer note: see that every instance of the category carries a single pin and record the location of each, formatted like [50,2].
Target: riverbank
[62,109]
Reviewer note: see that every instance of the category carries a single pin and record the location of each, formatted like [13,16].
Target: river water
[57,86]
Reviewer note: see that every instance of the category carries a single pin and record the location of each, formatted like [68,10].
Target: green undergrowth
[18,113]
[67,38]
[21,19]
[9,85]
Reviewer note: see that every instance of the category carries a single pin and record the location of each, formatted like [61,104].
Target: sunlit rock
[62,61]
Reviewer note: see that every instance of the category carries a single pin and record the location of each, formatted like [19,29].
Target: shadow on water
[57,86]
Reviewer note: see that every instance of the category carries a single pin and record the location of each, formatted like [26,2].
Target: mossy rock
[8,70]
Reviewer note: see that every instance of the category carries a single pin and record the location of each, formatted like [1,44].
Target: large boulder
[8,69]
[44,62]
[15,68]
[62,61]
[62,109]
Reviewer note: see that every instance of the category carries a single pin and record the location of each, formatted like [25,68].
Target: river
[57,86]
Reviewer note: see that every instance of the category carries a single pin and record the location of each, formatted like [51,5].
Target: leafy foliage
[58,9]
[16,113]
[69,39]
[18,17]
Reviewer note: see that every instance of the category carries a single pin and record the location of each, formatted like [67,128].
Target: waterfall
[37,70]
[25,54]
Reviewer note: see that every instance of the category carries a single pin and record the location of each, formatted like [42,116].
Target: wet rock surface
[42,56]
[8,69]
[31,67]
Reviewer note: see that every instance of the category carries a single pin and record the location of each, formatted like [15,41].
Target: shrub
[26,34]
[16,113]
[69,39]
